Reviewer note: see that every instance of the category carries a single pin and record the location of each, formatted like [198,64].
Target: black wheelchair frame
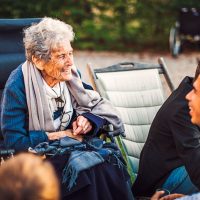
[187,27]
[11,55]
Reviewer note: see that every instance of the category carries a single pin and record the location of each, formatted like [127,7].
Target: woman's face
[58,68]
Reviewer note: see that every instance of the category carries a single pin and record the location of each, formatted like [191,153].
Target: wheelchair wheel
[174,42]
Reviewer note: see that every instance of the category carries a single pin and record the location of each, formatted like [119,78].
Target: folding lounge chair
[136,90]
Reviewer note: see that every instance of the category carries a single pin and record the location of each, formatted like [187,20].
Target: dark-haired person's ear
[197,72]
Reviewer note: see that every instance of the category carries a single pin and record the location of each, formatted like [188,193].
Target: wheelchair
[91,174]
[11,55]
[187,28]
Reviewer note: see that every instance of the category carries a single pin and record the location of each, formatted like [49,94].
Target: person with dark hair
[193,98]
[28,177]
[45,105]
[171,154]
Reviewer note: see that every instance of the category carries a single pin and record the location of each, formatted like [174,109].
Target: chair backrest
[11,46]
[189,21]
[135,89]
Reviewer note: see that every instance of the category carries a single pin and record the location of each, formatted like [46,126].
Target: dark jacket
[173,141]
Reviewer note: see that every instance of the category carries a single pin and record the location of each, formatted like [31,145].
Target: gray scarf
[40,117]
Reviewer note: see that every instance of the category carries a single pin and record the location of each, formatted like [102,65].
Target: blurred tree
[113,25]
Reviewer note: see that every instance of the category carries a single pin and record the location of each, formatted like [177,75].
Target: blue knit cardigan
[14,116]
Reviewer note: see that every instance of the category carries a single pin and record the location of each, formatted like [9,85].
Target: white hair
[41,38]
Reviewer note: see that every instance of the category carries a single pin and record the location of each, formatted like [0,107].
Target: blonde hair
[28,177]
[41,38]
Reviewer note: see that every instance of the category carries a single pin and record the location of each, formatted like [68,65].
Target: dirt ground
[179,67]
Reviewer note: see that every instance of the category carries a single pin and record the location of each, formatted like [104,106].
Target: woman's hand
[61,134]
[81,126]
[157,195]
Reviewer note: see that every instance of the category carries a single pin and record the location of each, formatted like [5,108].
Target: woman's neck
[49,80]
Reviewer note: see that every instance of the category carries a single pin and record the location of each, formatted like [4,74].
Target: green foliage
[126,25]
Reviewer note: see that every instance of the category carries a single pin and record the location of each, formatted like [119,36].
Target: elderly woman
[44,100]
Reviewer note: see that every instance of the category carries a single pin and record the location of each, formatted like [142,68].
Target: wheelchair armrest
[6,152]
[110,133]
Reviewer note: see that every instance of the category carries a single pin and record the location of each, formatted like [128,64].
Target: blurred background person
[28,177]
